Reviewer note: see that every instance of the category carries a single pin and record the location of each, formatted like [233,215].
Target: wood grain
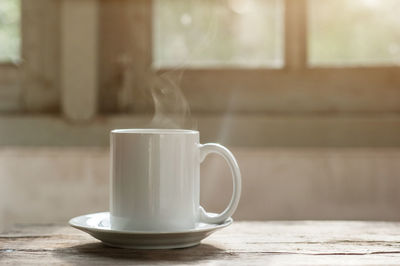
[40,55]
[243,243]
[79,69]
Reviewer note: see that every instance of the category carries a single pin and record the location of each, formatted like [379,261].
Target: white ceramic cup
[155,182]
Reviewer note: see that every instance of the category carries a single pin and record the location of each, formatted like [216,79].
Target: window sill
[239,130]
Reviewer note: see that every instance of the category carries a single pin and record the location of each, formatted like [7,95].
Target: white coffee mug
[155,182]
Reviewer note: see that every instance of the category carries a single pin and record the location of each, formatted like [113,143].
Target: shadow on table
[99,252]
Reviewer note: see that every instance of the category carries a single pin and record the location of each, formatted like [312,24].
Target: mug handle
[237,182]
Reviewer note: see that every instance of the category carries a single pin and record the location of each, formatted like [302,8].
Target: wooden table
[243,243]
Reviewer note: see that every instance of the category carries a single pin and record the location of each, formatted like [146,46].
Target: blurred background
[306,93]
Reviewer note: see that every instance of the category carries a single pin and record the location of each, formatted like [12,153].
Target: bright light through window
[210,33]
[9,30]
[354,32]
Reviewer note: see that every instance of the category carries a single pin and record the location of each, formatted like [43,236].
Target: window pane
[9,30]
[218,33]
[354,32]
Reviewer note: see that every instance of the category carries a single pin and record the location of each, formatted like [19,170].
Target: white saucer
[98,226]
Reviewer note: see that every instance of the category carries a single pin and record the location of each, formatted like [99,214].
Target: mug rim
[154,131]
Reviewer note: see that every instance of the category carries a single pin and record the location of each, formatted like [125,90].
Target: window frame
[32,85]
[295,88]
[344,106]
[36,84]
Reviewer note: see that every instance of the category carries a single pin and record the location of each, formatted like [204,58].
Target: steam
[171,109]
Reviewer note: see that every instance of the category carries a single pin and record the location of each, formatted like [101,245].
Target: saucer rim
[213,227]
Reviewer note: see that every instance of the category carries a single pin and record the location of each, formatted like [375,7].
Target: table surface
[243,243]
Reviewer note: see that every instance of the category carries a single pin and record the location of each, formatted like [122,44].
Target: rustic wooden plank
[125,55]
[40,55]
[319,90]
[241,130]
[255,243]
[10,88]
[295,34]
[79,34]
